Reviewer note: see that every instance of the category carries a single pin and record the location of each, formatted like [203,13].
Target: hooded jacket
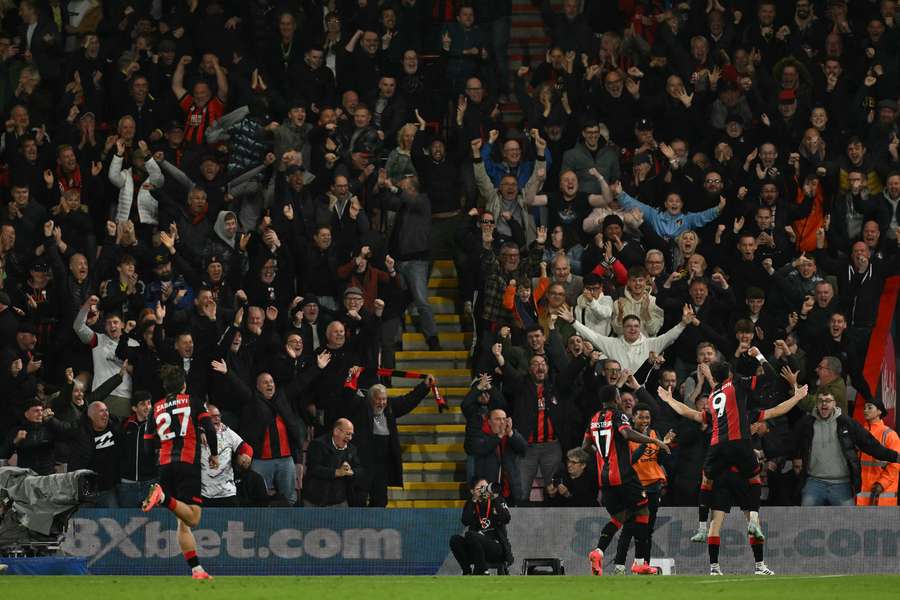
[851,437]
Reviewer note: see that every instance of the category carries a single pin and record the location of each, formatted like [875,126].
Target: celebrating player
[730,448]
[623,496]
[645,458]
[176,420]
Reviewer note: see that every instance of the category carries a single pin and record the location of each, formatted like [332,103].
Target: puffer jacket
[147,206]
[249,145]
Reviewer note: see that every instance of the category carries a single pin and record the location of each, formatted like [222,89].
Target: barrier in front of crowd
[807,541]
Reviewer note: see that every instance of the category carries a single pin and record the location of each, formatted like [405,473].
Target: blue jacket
[497,170]
[665,224]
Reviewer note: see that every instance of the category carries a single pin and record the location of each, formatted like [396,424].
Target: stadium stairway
[527,47]
[432,442]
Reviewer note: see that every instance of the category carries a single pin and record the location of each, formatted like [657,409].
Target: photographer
[485,541]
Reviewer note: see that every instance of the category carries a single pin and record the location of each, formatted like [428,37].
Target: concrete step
[446,322]
[451,293]
[449,341]
[432,438]
[434,471]
[443,268]
[442,305]
[426,503]
[419,360]
[445,377]
[432,434]
[433,452]
[428,490]
[447,417]
[442,282]
[454,396]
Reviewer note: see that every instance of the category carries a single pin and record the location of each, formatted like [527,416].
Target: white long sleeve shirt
[633,355]
[103,352]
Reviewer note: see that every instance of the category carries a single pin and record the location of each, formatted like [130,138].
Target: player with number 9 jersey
[726,412]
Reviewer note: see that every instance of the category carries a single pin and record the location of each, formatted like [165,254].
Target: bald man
[97,448]
[332,467]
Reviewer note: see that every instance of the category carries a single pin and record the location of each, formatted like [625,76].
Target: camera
[488,490]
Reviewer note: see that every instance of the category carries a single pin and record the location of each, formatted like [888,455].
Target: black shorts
[722,457]
[628,497]
[730,490]
[181,481]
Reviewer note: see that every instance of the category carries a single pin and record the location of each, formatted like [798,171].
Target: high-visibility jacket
[647,464]
[877,471]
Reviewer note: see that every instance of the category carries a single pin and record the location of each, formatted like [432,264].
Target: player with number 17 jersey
[612,449]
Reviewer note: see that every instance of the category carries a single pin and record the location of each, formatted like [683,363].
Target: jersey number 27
[164,423]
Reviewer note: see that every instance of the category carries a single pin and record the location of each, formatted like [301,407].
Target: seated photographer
[577,485]
[496,449]
[217,486]
[485,541]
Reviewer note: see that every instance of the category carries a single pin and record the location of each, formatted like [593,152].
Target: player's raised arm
[206,423]
[780,409]
[634,436]
[680,407]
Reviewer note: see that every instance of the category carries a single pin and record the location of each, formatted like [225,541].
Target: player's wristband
[760,358]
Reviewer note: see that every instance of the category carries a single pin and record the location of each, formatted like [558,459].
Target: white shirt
[219,483]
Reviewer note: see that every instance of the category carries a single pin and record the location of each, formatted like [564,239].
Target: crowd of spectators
[255,191]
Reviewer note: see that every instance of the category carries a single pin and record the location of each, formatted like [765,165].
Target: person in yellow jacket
[645,461]
[879,478]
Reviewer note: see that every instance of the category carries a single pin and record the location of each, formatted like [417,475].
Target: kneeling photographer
[485,542]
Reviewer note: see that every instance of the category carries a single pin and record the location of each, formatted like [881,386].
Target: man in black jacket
[97,447]
[270,422]
[827,442]
[33,440]
[541,414]
[374,420]
[485,541]
[497,448]
[332,466]
[138,462]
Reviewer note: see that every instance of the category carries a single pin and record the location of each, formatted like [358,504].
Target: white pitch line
[757,578]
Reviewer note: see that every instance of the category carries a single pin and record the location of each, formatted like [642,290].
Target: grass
[452,588]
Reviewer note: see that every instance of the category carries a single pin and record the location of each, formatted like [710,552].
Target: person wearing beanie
[879,478]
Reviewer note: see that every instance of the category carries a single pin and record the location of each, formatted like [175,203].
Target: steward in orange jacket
[879,478]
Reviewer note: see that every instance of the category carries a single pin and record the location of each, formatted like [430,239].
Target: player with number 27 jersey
[611,446]
[176,420]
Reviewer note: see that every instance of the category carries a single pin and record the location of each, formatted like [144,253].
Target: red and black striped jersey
[606,434]
[726,411]
[176,420]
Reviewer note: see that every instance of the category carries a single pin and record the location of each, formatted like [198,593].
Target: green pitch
[451,588]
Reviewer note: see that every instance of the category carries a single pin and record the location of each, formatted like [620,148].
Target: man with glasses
[828,445]
[593,152]
[829,383]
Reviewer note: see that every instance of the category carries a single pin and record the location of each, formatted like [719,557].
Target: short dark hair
[720,370]
[637,271]
[631,318]
[608,394]
[534,327]
[172,378]
[641,406]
